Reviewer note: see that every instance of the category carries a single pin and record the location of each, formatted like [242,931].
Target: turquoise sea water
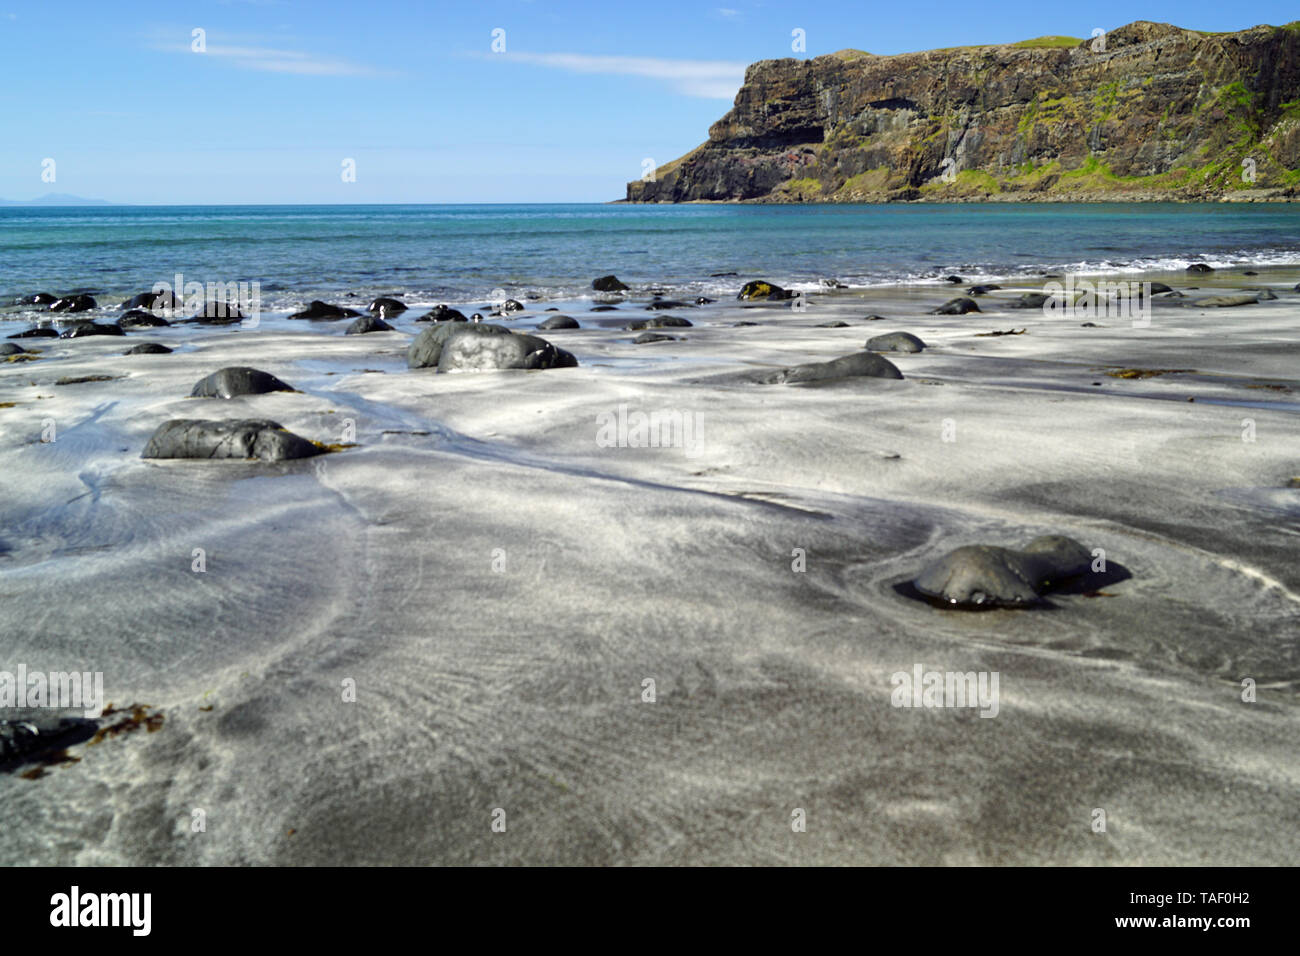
[462,253]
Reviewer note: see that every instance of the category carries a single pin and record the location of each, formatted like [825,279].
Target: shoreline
[498,584]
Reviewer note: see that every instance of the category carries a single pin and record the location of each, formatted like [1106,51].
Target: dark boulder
[148,348]
[41,737]
[1199,268]
[857,365]
[38,332]
[140,319]
[1159,287]
[958,306]
[324,311]
[1030,300]
[660,322]
[668,304]
[645,338]
[440,313]
[238,380]
[759,289]
[982,289]
[37,298]
[558,322]
[386,305]
[216,313]
[471,348]
[608,284]
[426,350]
[153,300]
[368,323]
[512,305]
[8,348]
[1224,301]
[832,324]
[704,300]
[83,329]
[604,308]
[955,280]
[990,576]
[894,342]
[73,303]
[228,438]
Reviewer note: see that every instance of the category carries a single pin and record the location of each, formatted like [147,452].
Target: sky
[276,101]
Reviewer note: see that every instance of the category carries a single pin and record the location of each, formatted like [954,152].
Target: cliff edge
[1148,111]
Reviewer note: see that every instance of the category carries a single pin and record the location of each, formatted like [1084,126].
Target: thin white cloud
[708,79]
[252,56]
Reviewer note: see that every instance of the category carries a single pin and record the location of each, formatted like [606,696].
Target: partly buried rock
[368,323]
[832,324]
[668,304]
[894,342]
[323,310]
[440,313]
[37,736]
[608,284]
[958,306]
[558,322]
[982,289]
[754,291]
[1225,301]
[8,348]
[660,322]
[140,319]
[857,365]
[228,438]
[1030,300]
[91,328]
[1199,268]
[216,313]
[36,298]
[466,351]
[38,332]
[982,575]
[386,305]
[426,350]
[481,346]
[148,348]
[512,305]
[153,300]
[238,380]
[645,338]
[73,303]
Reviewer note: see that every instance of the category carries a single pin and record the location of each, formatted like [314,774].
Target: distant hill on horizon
[56,199]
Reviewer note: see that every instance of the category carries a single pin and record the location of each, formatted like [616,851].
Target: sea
[464,254]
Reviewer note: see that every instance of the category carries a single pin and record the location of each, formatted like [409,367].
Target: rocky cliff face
[1149,111]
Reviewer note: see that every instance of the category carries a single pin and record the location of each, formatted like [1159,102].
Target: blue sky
[286,90]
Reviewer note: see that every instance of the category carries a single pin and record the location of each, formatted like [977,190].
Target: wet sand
[499,584]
